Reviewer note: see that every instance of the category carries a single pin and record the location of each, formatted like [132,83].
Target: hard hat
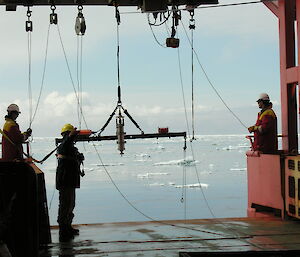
[263,97]
[67,127]
[13,108]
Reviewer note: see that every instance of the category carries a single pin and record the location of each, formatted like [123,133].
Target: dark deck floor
[159,239]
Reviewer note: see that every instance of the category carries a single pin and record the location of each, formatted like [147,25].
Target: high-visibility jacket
[265,137]
[68,168]
[11,151]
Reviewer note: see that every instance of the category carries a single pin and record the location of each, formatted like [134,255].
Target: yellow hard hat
[67,127]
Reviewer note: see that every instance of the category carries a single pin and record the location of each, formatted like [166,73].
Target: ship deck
[173,238]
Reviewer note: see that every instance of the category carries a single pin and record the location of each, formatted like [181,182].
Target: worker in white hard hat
[12,138]
[265,128]
[67,180]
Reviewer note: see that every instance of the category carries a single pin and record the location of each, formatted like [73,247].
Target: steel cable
[43,77]
[210,82]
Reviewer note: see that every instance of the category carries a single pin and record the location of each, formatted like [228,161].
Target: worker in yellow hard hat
[12,138]
[67,180]
[265,128]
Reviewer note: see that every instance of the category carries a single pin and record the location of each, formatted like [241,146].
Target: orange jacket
[11,152]
[265,138]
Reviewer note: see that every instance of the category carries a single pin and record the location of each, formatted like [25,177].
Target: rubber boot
[73,231]
[65,234]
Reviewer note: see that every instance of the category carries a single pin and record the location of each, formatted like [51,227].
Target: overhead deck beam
[150,4]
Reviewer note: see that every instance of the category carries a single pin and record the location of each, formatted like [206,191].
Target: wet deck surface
[153,239]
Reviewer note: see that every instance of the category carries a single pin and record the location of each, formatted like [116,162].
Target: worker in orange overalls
[265,128]
[12,138]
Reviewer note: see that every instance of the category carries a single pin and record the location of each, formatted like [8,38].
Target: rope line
[210,82]
[192,65]
[29,46]
[43,77]
[152,31]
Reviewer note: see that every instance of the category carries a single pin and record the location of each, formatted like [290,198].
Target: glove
[29,132]
[252,129]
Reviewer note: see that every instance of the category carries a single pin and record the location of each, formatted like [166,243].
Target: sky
[237,47]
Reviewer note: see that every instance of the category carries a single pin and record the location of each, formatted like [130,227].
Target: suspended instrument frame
[84,138]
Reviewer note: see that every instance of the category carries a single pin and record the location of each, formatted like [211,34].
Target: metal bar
[135,136]
[287,16]
[273,7]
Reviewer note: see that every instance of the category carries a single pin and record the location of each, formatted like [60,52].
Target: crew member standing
[12,138]
[67,180]
[265,128]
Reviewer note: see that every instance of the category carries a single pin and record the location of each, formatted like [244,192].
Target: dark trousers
[66,206]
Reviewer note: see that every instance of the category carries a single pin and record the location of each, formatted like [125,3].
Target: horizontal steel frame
[135,136]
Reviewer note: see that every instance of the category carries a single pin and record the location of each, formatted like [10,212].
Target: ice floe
[196,185]
[150,174]
[238,169]
[189,161]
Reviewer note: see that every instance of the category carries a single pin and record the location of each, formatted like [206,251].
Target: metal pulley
[192,20]
[120,133]
[53,15]
[80,26]
[28,23]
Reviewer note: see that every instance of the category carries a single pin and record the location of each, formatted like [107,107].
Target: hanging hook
[28,23]
[80,26]
[53,15]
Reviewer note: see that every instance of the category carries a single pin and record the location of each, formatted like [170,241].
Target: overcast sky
[237,46]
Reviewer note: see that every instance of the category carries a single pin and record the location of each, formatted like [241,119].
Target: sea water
[155,179]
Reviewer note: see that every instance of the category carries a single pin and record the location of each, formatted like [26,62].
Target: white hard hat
[263,97]
[13,108]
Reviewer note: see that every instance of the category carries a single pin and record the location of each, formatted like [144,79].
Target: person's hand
[29,132]
[251,129]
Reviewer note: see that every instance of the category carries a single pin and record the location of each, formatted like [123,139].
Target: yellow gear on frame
[67,127]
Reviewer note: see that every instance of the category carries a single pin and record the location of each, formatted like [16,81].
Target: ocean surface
[155,179]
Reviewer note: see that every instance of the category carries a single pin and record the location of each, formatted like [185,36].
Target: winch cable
[242,238]
[154,36]
[192,27]
[183,192]
[29,47]
[210,82]
[43,77]
[79,76]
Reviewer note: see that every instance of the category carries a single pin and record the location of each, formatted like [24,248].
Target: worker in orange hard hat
[12,138]
[67,180]
[265,128]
